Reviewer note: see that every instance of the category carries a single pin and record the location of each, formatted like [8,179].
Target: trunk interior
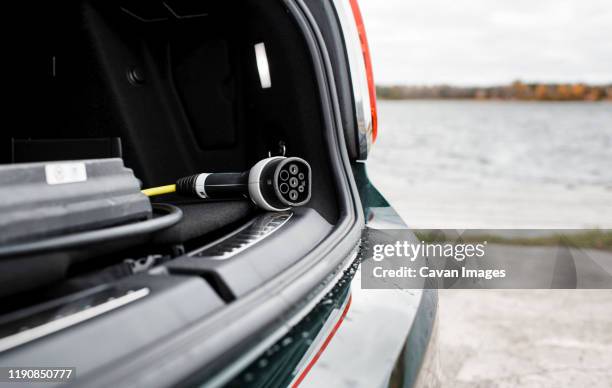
[175,81]
[173,88]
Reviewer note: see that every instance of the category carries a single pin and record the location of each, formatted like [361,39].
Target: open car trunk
[173,88]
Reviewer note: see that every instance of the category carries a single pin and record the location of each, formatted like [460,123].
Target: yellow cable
[159,190]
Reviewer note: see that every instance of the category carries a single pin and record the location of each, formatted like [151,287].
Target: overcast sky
[479,42]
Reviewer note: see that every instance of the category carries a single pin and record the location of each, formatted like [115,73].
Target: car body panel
[385,335]
[355,337]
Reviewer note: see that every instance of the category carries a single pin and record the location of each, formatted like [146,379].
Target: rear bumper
[353,336]
[385,338]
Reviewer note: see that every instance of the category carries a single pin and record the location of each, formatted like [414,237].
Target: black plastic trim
[172,216]
[247,269]
[171,304]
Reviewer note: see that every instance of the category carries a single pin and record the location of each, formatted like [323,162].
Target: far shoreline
[494,100]
[516,91]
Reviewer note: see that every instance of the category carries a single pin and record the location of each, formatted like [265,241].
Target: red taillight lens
[365,49]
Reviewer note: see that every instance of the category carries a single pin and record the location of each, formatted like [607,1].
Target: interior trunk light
[262,65]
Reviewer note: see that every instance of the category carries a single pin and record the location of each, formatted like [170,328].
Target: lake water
[487,164]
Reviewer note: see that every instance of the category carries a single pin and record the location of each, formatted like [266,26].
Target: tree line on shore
[515,91]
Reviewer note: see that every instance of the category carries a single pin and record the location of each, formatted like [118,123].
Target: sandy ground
[526,338]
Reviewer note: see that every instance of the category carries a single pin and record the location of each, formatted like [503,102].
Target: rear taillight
[365,50]
[364,90]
